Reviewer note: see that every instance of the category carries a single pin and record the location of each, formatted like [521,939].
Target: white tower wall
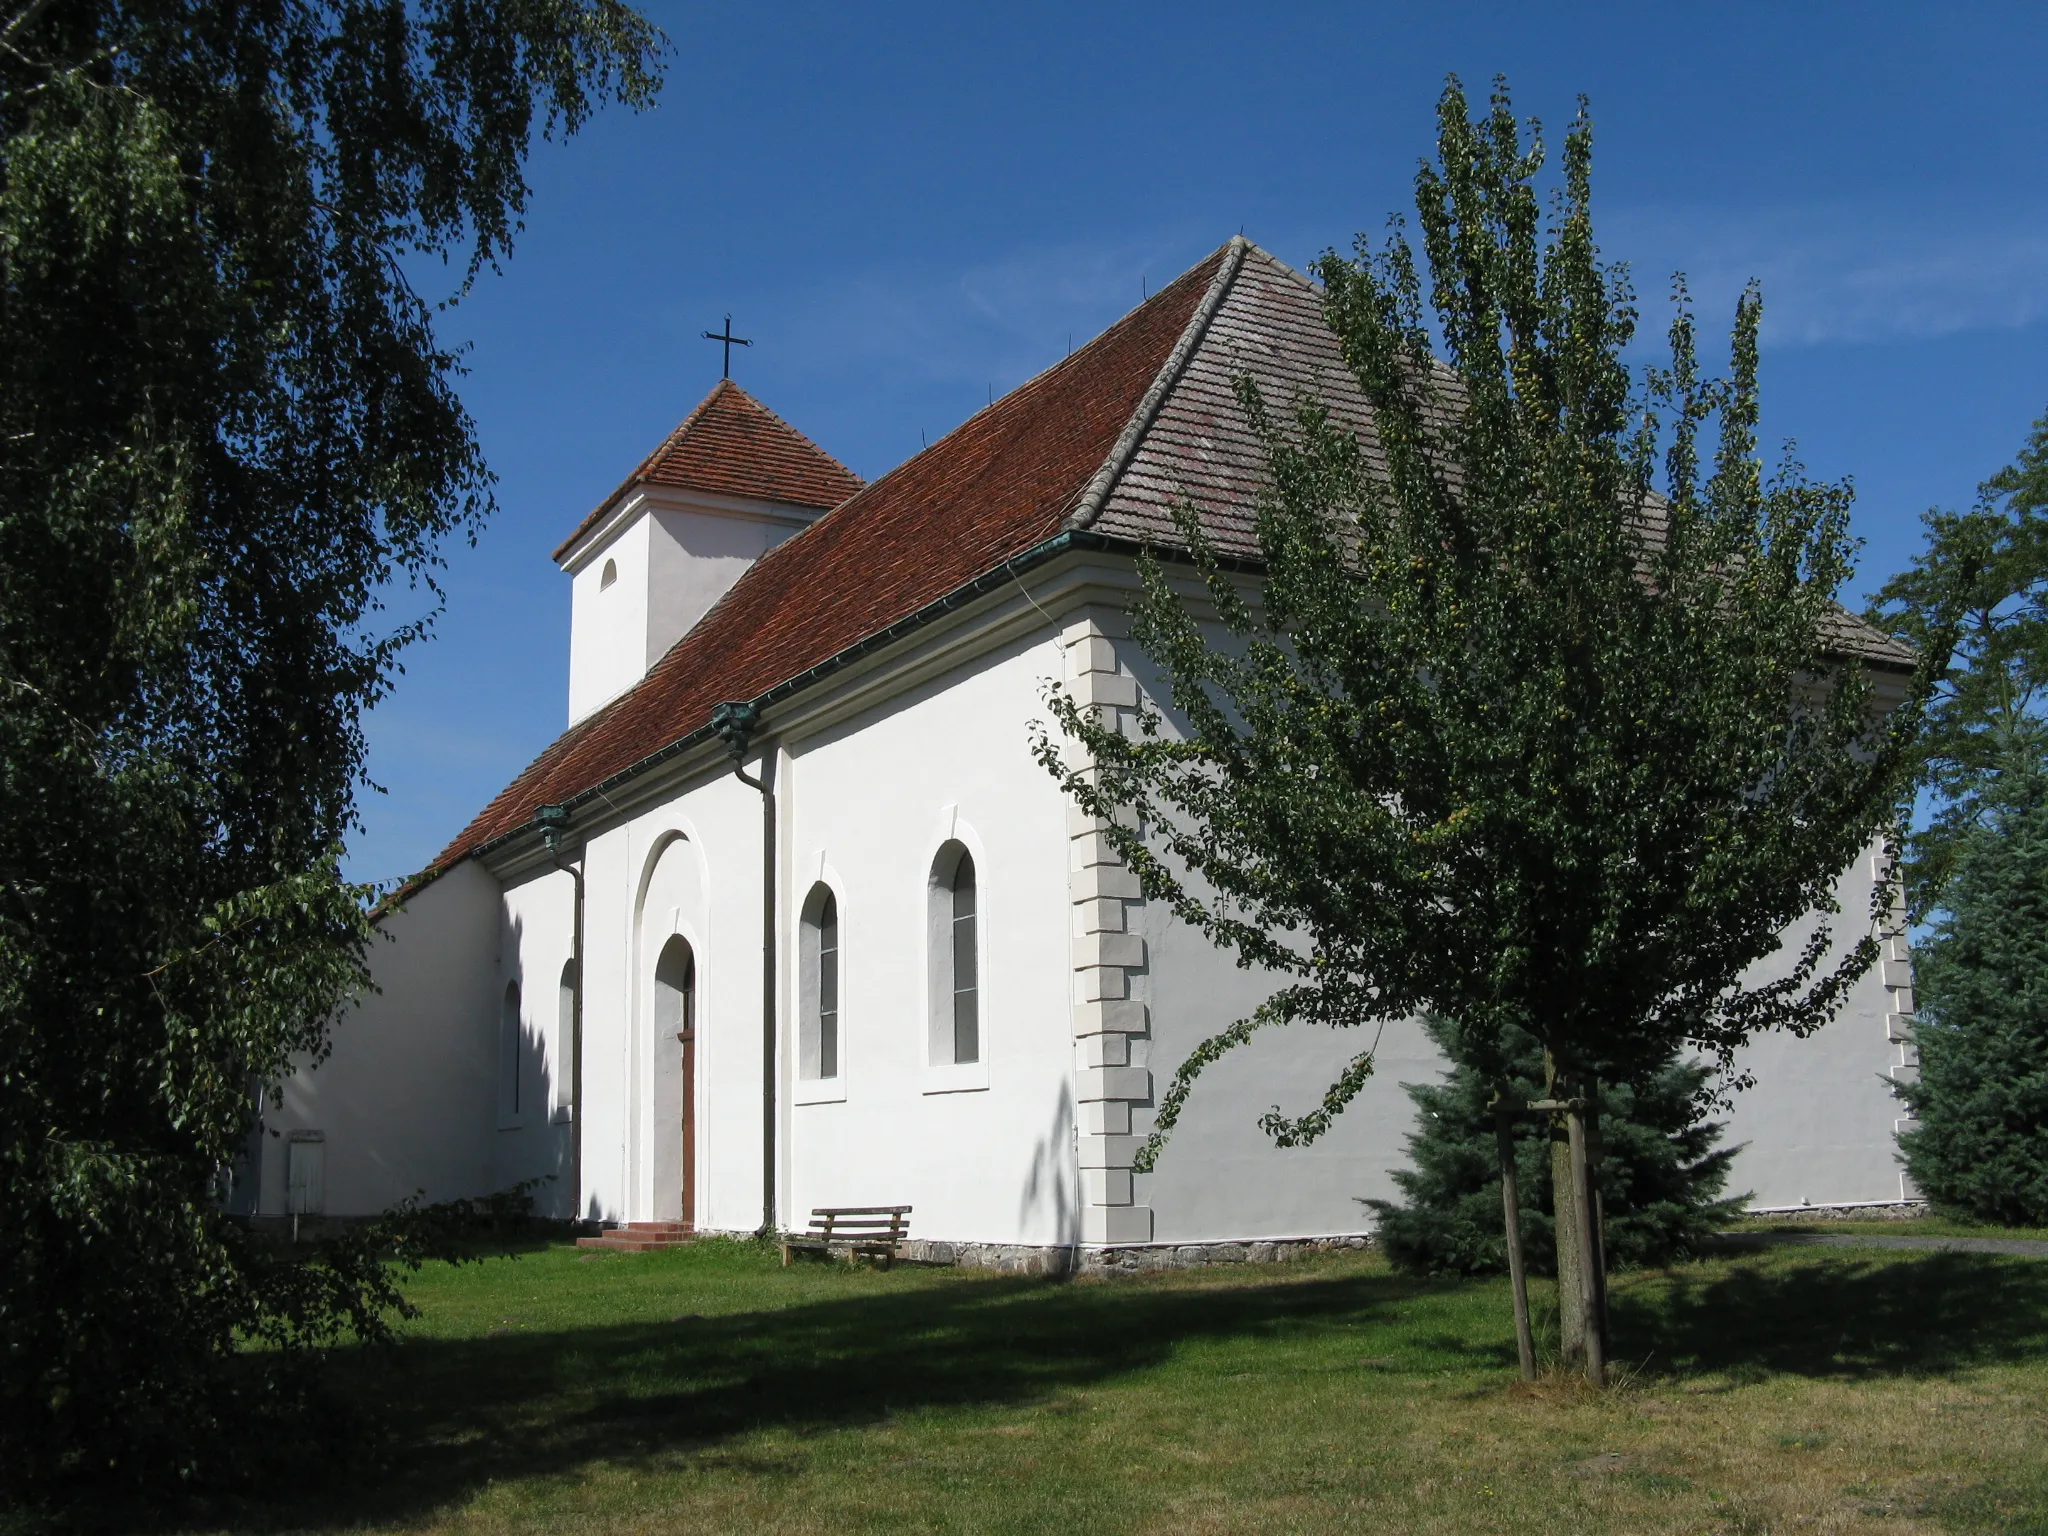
[672,555]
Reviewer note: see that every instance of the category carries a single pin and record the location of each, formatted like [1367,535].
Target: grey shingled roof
[1265,318]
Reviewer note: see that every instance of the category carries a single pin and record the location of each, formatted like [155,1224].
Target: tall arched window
[509,1048]
[565,1047]
[954,946]
[818,962]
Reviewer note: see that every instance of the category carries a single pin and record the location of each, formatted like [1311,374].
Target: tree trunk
[1581,1250]
[1511,1207]
[1564,1205]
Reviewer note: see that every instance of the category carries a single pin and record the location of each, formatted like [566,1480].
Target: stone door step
[640,1237]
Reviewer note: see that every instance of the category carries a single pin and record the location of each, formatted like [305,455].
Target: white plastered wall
[1818,1126]
[608,623]
[1150,989]
[983,1155]
[696,553]
[690,866]
[674,554]
[1021,1152]
[538,941]
[406,1099]
[672,905]
[865,803]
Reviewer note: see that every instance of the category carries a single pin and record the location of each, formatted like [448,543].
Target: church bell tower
[725,487]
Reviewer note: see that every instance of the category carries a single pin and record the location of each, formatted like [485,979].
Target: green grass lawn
[1917,1226]
[707,1389]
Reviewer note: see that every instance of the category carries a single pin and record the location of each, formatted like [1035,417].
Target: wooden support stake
[1597,1204]
[1589,1253]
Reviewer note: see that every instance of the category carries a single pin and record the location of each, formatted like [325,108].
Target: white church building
[790,917]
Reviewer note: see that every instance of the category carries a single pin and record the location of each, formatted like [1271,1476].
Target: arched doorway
[675,1029]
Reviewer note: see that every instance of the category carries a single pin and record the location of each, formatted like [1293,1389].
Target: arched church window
[510,1042]
[818,962]
[675,989]
[953,939]
[608,575]
[565,1046]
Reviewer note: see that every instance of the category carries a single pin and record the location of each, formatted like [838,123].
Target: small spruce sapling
[1662,1175]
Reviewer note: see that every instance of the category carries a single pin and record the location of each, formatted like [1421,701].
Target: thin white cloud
[999,321]
[1843,274]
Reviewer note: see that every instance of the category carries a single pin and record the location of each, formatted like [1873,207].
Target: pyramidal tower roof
[733,445]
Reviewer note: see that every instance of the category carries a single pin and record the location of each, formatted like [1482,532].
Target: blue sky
[908,206]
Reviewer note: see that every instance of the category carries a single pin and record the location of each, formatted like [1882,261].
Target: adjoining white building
[961,1004]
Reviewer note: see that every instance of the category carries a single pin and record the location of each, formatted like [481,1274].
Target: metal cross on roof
[730,341]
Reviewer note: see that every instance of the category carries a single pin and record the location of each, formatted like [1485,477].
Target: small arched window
[510,1043]
[818,1044]
[953,938]
[565,1046]
[608,575]
[675,989]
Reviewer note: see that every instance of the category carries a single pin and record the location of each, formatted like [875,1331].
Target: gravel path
[2027,1247]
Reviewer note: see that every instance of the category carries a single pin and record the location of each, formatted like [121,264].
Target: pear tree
[1533,715]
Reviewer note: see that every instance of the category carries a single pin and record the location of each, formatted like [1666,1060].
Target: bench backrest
[880,1223]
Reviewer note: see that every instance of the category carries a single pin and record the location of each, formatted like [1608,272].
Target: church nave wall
[879,807]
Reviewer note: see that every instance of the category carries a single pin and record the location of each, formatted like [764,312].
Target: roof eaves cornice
[1096,493]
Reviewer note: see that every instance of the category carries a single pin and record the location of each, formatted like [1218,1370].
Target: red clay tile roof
[733,445]
[1003,481]
[1140,417]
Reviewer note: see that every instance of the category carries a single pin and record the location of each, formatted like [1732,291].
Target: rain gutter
[1067,541]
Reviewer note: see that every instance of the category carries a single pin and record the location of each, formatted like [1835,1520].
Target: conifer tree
[1975,868]
[1981,1146]
[1661,1173]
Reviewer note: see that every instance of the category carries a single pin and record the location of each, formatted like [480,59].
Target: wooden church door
[675,981]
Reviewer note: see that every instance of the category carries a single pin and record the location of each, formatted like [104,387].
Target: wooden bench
[854,1230]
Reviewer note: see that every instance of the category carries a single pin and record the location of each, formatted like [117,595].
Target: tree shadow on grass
[455,1415]
[1837,1318]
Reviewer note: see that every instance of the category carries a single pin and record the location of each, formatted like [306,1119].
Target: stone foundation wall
[1901,1210]
[1018,1259]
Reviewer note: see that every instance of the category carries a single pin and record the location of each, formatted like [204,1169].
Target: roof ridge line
[1096,494]
[781,420]
[1286,266]
[679,433]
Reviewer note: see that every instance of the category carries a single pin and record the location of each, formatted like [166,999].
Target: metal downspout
[736,722]
[553,820]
